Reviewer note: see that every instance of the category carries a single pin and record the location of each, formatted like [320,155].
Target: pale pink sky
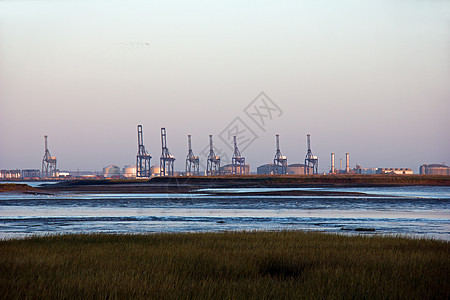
[371,78]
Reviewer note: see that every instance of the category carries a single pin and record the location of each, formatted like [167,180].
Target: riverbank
[255,265]
[193,183]
[18,187]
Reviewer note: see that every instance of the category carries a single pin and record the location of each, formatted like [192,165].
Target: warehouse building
[298,169]
[228,169]
[396,171]
[269,169]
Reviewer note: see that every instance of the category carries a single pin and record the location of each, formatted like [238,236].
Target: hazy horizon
[371,78]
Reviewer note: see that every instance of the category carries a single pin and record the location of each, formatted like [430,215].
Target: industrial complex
[238,166]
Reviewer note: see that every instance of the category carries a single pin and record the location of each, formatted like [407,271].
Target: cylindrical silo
[332,163]
[347,164]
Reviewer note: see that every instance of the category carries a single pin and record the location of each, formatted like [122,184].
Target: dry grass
[256,265]
[15,187]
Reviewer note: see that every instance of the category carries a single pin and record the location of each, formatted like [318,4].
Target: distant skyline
[371,78]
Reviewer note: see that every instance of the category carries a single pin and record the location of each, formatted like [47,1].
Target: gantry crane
[167,159]
[213,162]
[279,160]
[311,161]
[237,161]
[192,161]
[142,157]
[48,163]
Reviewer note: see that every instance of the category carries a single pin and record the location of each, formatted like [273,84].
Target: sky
[367,77]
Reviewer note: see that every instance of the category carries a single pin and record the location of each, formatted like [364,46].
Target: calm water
[415,211]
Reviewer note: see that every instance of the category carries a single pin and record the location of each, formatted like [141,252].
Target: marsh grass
[256,265]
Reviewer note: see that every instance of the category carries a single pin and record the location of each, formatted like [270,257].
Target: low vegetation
[256,265]
[17,187]
[333,179]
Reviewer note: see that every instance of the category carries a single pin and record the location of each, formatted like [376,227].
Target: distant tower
[48,163]
[237,161]
[142,157]
[192,161]
[311,161]
[167,160]
[279,161]
[332,171]
[347,163]
[213,162]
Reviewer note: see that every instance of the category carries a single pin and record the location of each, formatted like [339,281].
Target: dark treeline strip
[187,184]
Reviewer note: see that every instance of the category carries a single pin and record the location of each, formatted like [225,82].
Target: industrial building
[230,169]
[396,171]
[298,169]
[155,171]
[270,169]
[10,174]
[434,169]
[31,174]
[366,171]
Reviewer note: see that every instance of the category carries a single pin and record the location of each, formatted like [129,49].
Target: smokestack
[332,163]
[340,163]
[347,166]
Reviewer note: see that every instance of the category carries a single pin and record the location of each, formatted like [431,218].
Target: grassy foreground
[256,265]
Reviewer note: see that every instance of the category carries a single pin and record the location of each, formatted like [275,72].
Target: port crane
[279,161]
[237,161]
[192,161]
[311,161]
[167,160]
[213,161]
[142,157]
[48,163]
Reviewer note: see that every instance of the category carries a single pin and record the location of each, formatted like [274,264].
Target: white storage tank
[111,171]
[129,171]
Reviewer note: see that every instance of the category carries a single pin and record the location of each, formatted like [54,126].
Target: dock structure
[48,163]
[192,161]
[142,157]
[167,160]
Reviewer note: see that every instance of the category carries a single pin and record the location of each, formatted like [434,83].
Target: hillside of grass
[256,265]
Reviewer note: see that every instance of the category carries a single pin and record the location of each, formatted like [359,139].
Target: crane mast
[237,161]
[167,160]
[213,161]
[142,157]
[279,161]
[311,161]
[48,163]
[192,161]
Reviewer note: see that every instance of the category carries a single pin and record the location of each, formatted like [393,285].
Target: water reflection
[418,211]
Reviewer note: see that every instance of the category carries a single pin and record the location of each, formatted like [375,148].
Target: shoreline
[193,183]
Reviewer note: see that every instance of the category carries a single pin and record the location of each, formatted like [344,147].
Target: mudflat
[188,184]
